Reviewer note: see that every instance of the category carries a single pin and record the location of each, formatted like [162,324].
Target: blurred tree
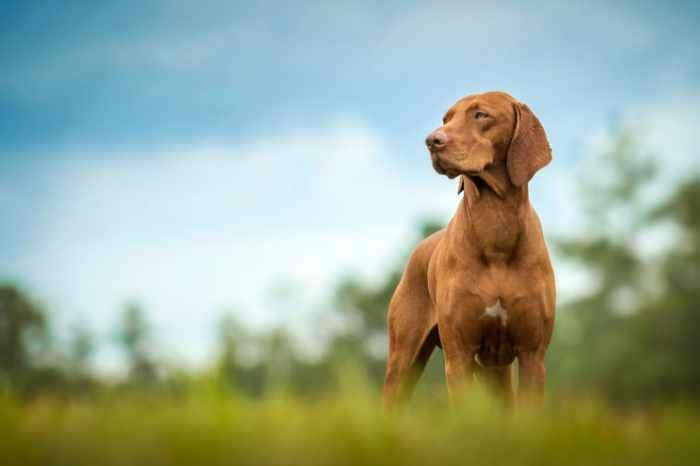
[277,365]
[134,335]
[229,334]
[668,324]
[22,331]
[365,306]
[280,360]
[239,368]
[80,350]
[632,336]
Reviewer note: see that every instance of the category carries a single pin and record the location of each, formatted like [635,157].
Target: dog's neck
[493,214]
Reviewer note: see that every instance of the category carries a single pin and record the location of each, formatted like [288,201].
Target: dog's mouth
[443,167]
[446,169]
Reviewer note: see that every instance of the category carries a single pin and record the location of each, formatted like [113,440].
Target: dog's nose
[436,139]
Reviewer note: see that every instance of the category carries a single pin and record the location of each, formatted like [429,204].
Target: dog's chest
[496,345]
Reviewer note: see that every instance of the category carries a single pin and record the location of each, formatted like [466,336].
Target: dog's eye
[479,115]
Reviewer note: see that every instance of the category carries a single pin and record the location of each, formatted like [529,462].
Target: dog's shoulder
[428,245]
[420,257]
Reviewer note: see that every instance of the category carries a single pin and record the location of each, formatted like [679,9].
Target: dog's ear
[529,149]
[460,186]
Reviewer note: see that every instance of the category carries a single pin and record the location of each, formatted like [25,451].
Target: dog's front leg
[532,373]
[459,370]
[459,343]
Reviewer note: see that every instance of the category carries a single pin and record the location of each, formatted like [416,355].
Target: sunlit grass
[208,426]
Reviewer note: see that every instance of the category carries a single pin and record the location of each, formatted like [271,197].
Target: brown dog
[483,288]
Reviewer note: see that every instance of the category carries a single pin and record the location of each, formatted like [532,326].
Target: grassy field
[208,427]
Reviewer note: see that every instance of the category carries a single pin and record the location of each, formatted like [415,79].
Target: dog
[483,288]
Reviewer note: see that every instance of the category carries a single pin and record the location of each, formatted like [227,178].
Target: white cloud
[668,127]
[193,230]
[664,131]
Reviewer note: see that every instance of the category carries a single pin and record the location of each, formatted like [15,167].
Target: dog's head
[485,131]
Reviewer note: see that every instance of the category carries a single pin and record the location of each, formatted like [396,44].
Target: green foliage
[80,349]
[205,427]
[633,338]
[31,360]
[22,329]
[134,335]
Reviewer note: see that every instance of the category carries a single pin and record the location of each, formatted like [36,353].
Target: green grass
[206,427]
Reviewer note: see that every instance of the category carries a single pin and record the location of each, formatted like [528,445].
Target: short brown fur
[483,288]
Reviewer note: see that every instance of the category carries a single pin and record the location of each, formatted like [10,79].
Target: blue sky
[203,157]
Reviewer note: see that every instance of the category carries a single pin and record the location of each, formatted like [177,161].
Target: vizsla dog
[483,288]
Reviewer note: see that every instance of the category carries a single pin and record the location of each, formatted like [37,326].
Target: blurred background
[231,189]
